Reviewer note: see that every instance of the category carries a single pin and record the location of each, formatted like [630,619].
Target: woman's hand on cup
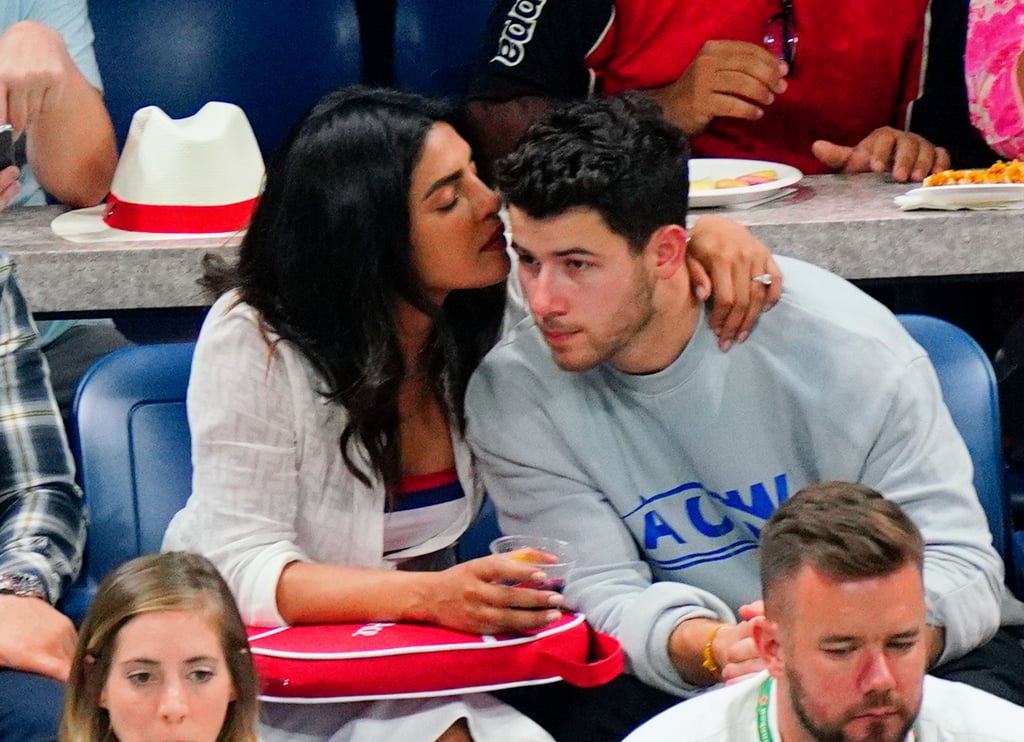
[493,595]
[554,556]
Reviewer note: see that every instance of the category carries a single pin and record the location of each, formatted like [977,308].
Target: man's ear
[668,244]
[766,638]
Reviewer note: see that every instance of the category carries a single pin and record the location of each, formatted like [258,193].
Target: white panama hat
[195,177]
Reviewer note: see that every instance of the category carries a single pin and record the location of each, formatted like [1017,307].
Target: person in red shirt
[817,85]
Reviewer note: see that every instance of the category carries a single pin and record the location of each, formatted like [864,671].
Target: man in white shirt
[842,639]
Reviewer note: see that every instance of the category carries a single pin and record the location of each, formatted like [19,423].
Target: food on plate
[756,178]
[761,176]
[1001,172]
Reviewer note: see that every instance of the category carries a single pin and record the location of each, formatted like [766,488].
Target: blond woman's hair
[172,581]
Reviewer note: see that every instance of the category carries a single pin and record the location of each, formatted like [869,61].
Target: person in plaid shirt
[42,529]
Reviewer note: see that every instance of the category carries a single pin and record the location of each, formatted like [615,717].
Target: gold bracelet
[709,663]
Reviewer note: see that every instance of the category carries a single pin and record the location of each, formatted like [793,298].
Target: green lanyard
[764,732]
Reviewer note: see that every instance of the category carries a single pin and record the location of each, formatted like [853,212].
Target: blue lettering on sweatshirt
[655,528]
[711,530]
[761,505]
[691,525]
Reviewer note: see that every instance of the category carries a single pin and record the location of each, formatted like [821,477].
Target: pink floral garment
[995,39]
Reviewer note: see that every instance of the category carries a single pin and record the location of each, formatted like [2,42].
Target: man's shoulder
[833,312]
[827,293]
[955,711]
[724,714]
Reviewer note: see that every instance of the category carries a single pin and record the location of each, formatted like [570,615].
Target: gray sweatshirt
[665,480]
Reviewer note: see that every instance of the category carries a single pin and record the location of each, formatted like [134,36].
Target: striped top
[427,506]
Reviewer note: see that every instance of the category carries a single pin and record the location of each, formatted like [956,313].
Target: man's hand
[741,658]
[732,647]
[909,156]
[723,257]
[735,651]
[34,70]
[935,637]
[727,78]
[44,96]
[9,185]
[35,637]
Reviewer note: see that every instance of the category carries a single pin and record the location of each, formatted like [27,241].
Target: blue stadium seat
[476,541]
[135,466]
[969,390]
[134,451]
[134,461]
[437,44]
[274,59]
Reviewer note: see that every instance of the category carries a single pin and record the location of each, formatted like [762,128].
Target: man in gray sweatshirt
[611,419]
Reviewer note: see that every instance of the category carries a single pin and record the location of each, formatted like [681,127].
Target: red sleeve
[913,75]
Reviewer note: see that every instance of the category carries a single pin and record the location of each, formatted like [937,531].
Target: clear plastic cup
[528,549]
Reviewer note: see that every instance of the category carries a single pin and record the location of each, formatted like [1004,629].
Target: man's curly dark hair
[615,155]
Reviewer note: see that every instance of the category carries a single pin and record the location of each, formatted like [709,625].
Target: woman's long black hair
[327,257]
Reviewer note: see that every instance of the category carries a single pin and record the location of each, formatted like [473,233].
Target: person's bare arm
[732,649]
[9,186]
[36,637]
[1020,72]
[907,155]
[478,596]
[71,144]
[936,639]
[723,257]
[727,78]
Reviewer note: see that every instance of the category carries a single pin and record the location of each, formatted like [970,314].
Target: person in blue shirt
[51,94]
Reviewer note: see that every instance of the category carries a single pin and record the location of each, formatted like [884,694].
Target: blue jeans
[30,707]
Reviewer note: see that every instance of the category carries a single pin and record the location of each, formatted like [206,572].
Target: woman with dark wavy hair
[331,480]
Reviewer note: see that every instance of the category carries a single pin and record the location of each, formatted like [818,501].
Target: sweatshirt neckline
[676,373]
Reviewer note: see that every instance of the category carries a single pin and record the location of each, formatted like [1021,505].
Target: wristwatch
[21,584]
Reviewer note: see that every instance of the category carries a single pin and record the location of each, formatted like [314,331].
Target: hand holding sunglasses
[727,78]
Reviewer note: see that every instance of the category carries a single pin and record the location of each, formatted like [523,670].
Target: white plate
[974,195]
[717,169]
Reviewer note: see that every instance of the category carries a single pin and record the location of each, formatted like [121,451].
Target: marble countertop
[848,224]
[57,275]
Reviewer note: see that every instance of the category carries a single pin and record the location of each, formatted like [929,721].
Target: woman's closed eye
[450,205]
[446,197]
